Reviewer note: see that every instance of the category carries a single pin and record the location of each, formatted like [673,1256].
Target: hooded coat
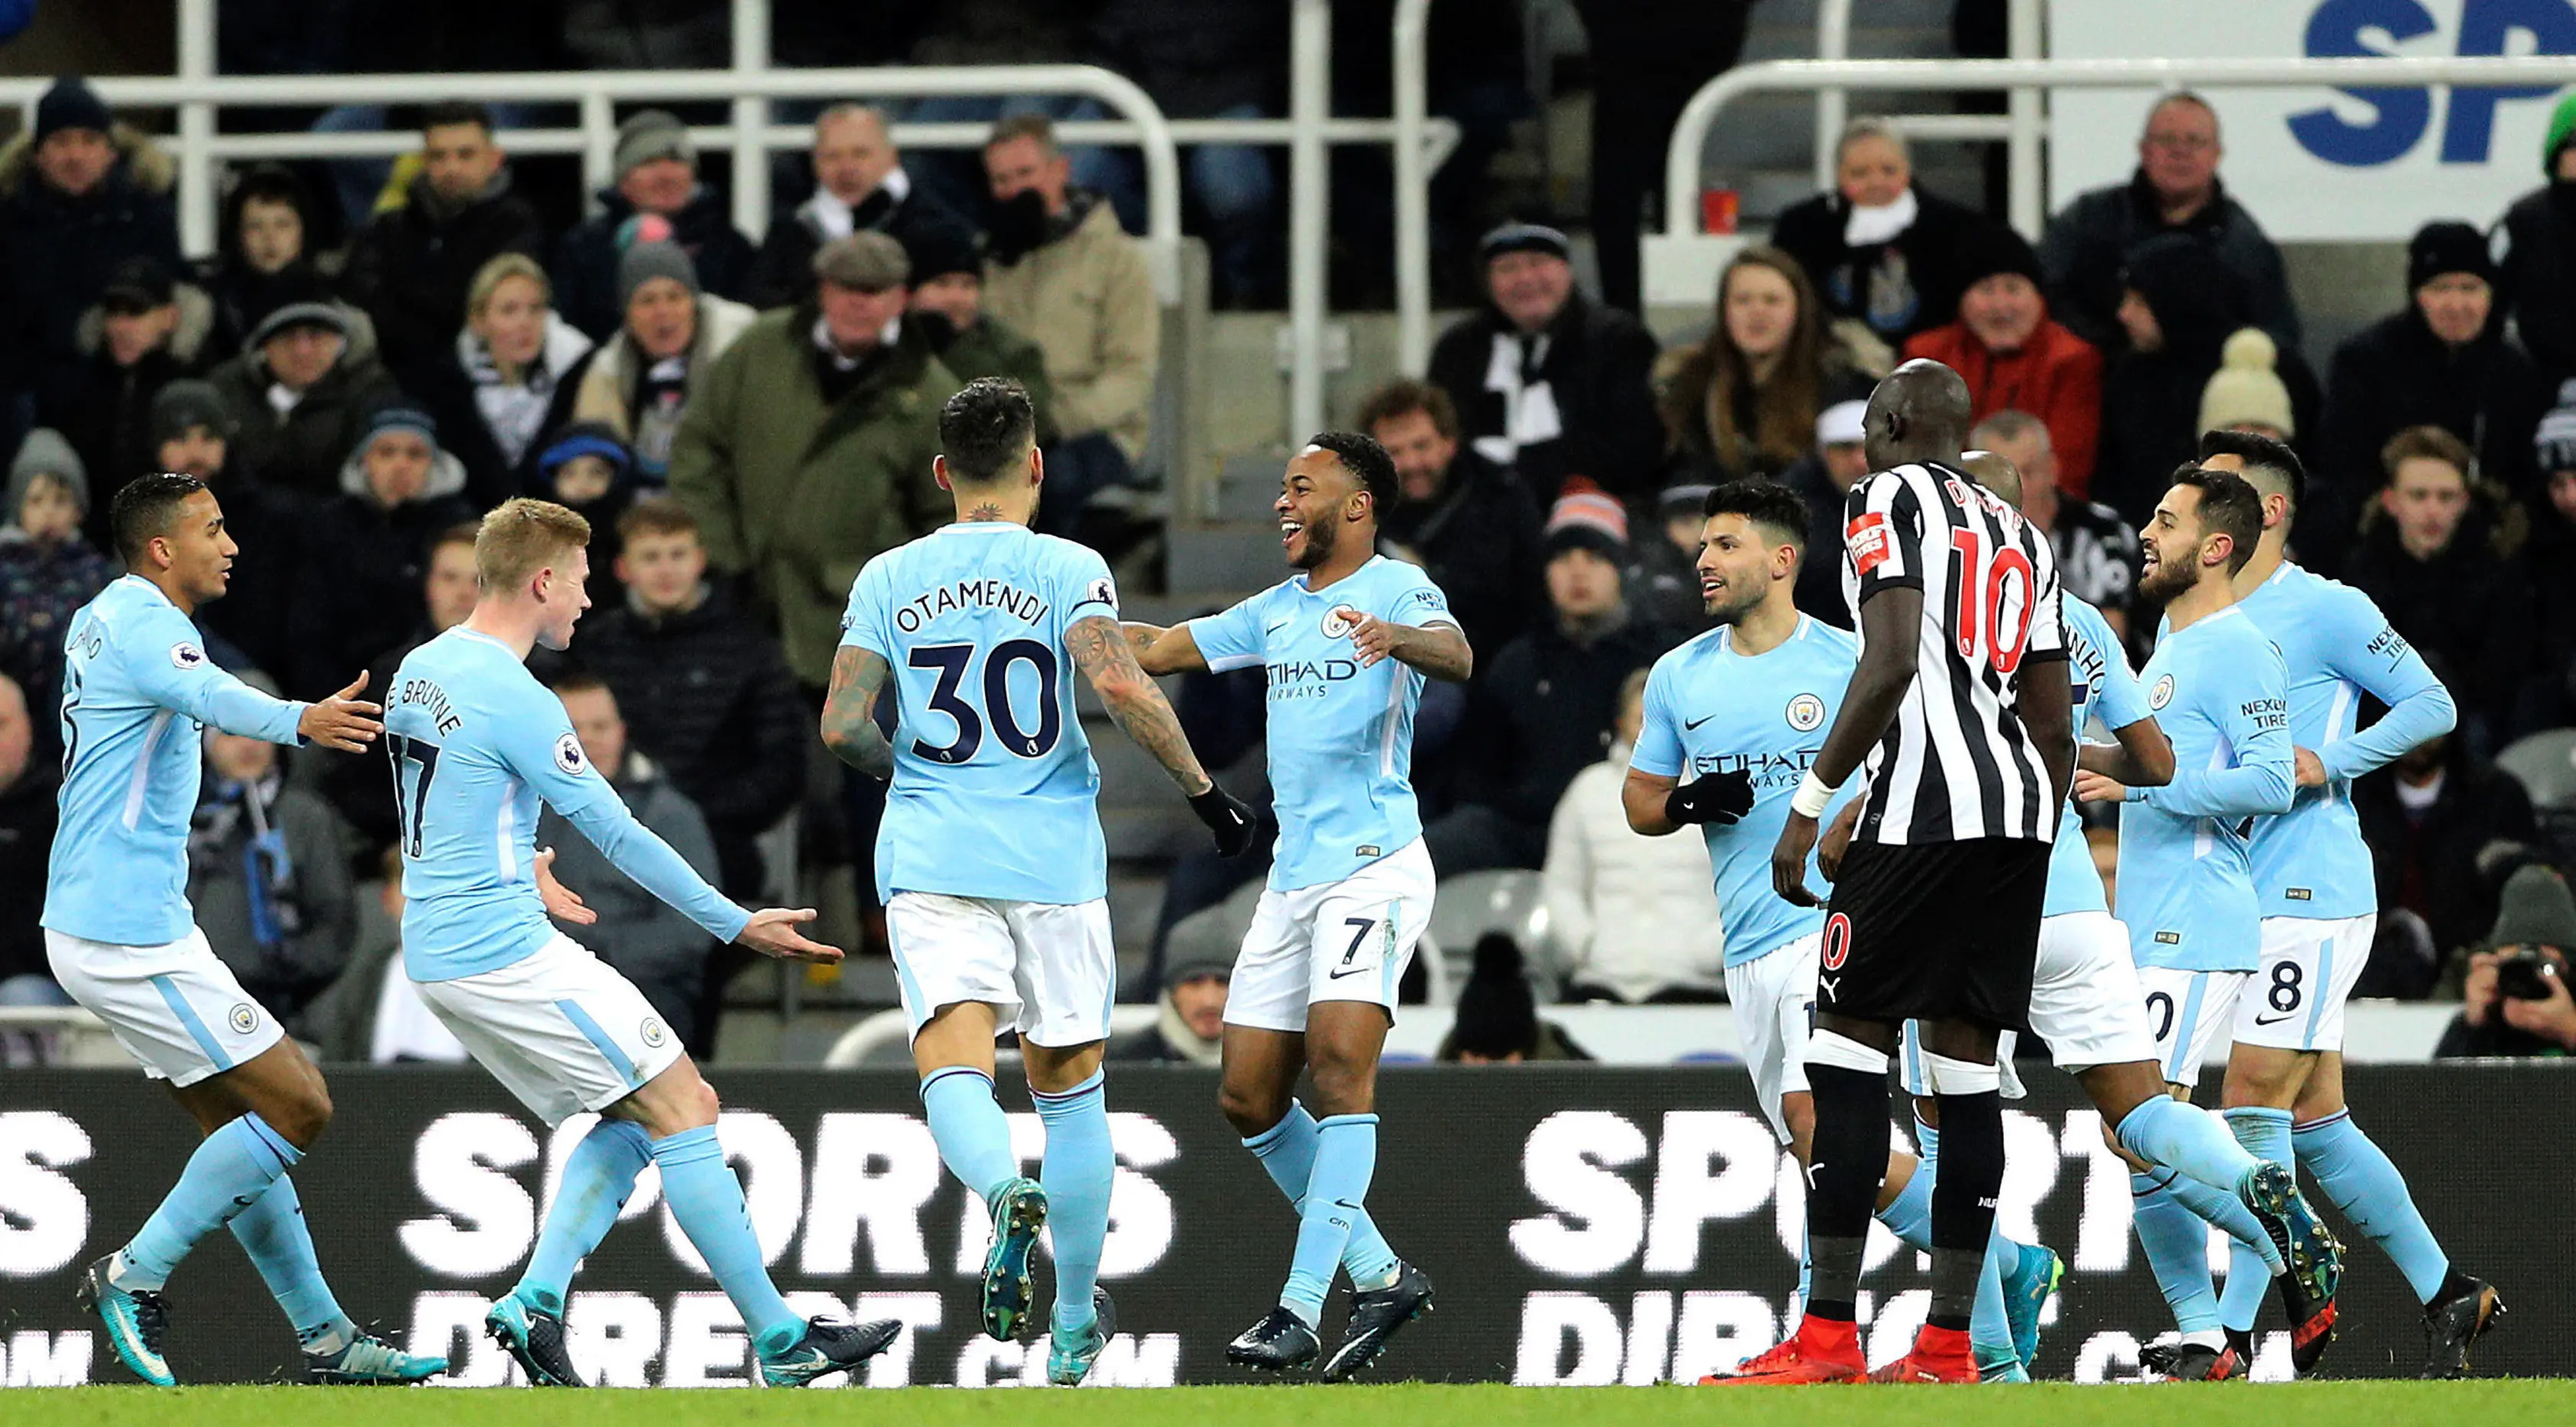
[43,586]
[300,452]
[57,252]
[358,586]
[106,409]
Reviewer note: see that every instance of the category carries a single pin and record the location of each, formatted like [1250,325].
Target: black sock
[1848,1159]
[1963,1202]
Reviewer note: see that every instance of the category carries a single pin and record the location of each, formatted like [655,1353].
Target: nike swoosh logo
[1354,971]
[2273,1020]
[1274,628]
[1696,722]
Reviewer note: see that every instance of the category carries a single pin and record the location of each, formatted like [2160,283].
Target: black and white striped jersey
[1957,763]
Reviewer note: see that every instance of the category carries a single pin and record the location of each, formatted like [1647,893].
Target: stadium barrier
[1584,1225]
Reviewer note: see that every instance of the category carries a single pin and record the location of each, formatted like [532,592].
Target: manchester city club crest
[1806,713]
[244,1018]
[1337,621]
[2162,695]
[652,1032]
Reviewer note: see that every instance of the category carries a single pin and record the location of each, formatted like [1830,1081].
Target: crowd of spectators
[747,419]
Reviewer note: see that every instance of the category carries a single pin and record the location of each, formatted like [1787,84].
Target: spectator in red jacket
[2016,357]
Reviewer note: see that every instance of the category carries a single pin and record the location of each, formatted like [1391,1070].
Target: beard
[2166,580]
[1319,544]
[1732,605]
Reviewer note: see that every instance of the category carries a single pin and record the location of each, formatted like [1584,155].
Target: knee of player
[1251,1109]
[304,1116]
[1344,1085]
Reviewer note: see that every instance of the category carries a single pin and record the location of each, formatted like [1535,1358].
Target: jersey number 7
[421,757]
[1989,621]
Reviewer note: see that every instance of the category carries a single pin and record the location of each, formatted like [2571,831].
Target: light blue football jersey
[2311,861]
[476,742]
[138,690]
[2221,694]
[2104,689]
[1712,709]
[994,793]
[1340,736]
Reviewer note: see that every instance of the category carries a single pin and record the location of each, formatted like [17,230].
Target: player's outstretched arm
[1164,651]
[1438,650]
[850,712]
[772,932]
[343,721]
[1106,655]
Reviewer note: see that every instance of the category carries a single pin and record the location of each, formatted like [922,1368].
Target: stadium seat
[1508,901]
[2545,765]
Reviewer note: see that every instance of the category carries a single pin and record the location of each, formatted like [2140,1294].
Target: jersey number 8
[951,661]
[1985,585]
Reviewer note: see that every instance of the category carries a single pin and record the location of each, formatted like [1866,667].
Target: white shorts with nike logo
[1342,941]
[2310,966]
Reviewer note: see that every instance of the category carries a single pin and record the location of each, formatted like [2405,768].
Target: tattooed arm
[1106,656]
[849,712]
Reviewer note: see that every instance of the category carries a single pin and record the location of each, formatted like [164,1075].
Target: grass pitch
[2487,1404]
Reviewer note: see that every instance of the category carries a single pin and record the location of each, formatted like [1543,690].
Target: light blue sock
[2265,1134]
[1079,1170]
[1345,1161]
[2190,1141]
[974,1136]
[1287,1151]
[598,1177]
[707,1200]
[272,1232]
[2230,1214]
[2177,1245]
[2359,1180]
[229,1172]
[1909,1217]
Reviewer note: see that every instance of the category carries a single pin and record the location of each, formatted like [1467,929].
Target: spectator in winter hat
[2014,356]
[360,576]
[2536,253]
[640,381]
[47,571]
[657,198]
[2247,393]
[947,305]
[1543,710]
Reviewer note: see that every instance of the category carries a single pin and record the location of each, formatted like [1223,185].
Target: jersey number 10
[951,661]
[1989,619]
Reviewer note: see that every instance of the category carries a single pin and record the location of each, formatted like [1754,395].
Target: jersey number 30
[1995,598]
[951,661]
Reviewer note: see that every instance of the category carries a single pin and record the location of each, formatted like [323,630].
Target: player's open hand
[343,721]
[2310,769]
[1373,637]
[2092,787]
[562,903]
[772,932]
[1789,861]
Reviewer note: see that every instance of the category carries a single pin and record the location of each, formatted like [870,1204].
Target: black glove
[1719,798]
[1231,819]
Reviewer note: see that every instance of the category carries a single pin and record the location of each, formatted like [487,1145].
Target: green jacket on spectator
[799,491]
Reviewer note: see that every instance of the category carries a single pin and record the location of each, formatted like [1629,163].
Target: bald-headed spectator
[2097,552]
[1547,381]
[1060,271]
[413,265]
[859,182]
[26,844]
[657,198]
[2175,190]
[79,194]
[807,449]
[1470,524]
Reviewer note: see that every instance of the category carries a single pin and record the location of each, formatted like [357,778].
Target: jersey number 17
[420,757]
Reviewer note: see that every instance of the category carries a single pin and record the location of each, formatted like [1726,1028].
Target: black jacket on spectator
[56,252]
[242,293]
[2549,694]
[1819,591]
[2395,373]
[299,454]
[706,695]
[2495,1040]
[2432,866]
[104,410]
[410,269]
[2537,286]
[1479,542]
[1598,362]
[2151,400]
[253,614]
[585,266]
[1897,288]
[358,584]
[1543,713]
[27,818]
[2467,604]
[782,272]
[2092,240]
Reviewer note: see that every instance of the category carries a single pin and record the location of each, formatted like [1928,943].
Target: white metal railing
[1690,132]
[1420,143]
[2020,125]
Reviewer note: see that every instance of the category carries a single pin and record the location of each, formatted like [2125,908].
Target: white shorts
[176,1009]
[2084,1004]
[1342,941]
[2310,966]
[1774,996]
[561,1030]
[2187,1011]
[1048,970]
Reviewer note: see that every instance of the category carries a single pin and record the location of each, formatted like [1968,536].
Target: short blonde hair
[522,536]
[489,277]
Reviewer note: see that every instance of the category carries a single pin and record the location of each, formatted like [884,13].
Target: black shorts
[1936,930]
